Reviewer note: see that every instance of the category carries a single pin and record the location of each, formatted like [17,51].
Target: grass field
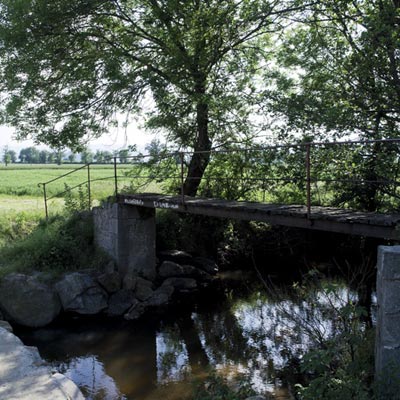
[20,190]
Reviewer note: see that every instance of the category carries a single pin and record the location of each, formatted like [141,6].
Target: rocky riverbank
[35,300]
[25,376]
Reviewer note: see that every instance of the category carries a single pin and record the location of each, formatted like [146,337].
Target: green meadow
[21,188]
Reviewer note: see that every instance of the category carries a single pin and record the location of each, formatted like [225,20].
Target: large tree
[346,58]
[68,67]
[347,55]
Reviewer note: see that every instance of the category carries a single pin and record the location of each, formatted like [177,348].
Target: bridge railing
[359,174]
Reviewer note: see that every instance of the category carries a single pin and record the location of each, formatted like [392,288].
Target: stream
[241,329]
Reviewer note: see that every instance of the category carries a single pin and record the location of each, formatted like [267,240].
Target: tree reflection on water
[254,335]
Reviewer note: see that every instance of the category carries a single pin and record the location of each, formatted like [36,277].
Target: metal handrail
[180,161]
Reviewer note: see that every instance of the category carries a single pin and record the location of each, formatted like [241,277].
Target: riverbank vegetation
[63,243]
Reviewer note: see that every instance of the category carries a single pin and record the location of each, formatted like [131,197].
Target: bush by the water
[65,242]
[215,387]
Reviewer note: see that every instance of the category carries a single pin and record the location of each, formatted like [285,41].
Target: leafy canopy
[67,69]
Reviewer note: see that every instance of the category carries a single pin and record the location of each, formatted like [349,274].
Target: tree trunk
[202,146]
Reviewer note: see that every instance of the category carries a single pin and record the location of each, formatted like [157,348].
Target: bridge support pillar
[128,234]
[387,346]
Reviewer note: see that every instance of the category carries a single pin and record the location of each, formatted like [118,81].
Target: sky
[116,139]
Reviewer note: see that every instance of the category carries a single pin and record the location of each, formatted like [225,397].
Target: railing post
[89,194]
[308,181]
[181,156]
[45,201]
[115,177]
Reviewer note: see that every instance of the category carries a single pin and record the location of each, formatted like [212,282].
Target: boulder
[205,264]
[170,269]
[177,256]
[27,301]
[80,293]
[129,282]
[143,289]
[136,311]
[120,302]
[109,267]
[181,284]
[110,281]
[256,398]
[160,296]
[5,325]
[197,273]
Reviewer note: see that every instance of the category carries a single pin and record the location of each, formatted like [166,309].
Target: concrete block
[127,234]
[387,345]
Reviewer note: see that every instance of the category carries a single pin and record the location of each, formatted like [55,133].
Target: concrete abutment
[387,345]
[127,234]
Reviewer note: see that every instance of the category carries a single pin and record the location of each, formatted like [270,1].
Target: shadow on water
[234,332]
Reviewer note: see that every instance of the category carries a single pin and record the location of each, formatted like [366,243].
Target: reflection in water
[255,336]
[88,373]
[172,356]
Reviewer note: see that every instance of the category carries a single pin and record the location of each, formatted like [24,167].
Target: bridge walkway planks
[369,224]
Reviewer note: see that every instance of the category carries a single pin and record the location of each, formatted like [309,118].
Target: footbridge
[324,186]
[330,219]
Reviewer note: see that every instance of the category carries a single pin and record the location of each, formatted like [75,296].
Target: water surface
[244,331]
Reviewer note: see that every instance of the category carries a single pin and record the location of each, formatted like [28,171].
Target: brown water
[234,332]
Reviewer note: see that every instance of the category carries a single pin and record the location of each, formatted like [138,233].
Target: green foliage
[340,365]
[63,243]
[216,387]
[196,59]
[334,374]
[189,232]
[17,225]
[79,203]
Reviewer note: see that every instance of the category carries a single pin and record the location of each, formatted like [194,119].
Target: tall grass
[63,243]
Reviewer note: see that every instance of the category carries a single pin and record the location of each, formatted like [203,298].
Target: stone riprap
[25,376]
[27,301]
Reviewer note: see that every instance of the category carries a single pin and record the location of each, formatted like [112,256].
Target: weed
[216,387]
[63,243]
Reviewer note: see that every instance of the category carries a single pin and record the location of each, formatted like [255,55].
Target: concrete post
[387,346]
[128,235]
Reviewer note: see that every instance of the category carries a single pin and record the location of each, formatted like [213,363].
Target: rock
[181,284]
[109,267]
[120,302]
[170,269]
[136,311]
[27,301]
[143,289]
[5,325]
[177,256]
[205,264]
[110,281]
[25,376]
[1,316]
[256,398]
[80,293]
[129,282]
[161,296]
[197,273]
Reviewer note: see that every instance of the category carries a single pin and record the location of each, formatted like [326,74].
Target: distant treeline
[32,155]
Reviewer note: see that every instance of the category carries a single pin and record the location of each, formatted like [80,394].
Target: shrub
[216,387]
[62,243]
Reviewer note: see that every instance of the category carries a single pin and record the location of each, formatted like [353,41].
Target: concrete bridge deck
[369,224]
